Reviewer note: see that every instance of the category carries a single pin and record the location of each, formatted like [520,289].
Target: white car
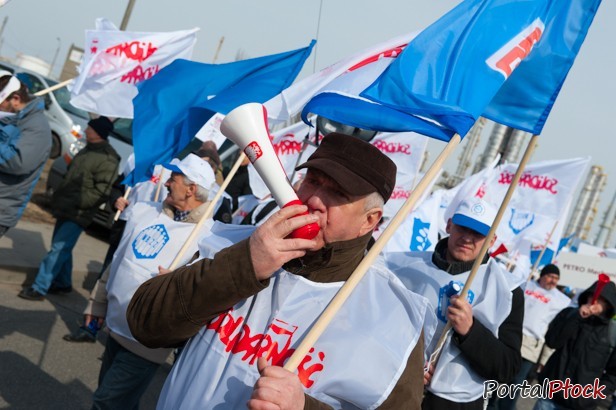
[66,121]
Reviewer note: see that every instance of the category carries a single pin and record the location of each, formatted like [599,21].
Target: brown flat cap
[357,166]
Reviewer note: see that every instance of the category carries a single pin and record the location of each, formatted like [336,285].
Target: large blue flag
[447,76]
[526,99]
[174,104]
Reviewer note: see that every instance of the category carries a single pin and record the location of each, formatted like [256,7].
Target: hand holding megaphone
[246,126]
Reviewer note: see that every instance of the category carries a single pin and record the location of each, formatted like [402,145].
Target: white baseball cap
[475,214]
[196,169]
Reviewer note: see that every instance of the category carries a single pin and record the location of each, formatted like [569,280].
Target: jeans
[3,230]
[123,378]
[505,403]
[545,404]
[57,267]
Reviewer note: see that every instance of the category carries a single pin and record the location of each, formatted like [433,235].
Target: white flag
[371,61]
[542,197]
[116,61]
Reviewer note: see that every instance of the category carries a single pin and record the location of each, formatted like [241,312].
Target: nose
[313,200]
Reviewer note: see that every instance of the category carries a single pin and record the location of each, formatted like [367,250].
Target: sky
[579,124]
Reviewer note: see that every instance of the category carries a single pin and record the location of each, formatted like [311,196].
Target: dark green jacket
[87,183]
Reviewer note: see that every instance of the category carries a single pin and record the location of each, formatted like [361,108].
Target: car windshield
[123,129]
[63,96]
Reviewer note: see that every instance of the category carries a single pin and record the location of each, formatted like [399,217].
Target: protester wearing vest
[542,302]
[487,332]
[246,305]
[83,189]
[25,141]
[583,349]
[153,236]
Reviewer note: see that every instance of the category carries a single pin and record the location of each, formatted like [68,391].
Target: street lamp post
[55,56]
[129,10]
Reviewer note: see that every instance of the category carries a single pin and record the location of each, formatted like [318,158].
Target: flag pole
[345,291]
[208,212]
[53,88]
[159,185]
[545,246]
[532,144]
[118,212]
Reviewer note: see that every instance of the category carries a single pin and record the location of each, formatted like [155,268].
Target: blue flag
[446,77]
[525,100]
[174,104]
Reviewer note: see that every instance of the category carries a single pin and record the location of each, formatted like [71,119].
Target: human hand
[428,375]
[460,314]
[120,204]
[276,389]
[588,310]
[163,271]
[270,247]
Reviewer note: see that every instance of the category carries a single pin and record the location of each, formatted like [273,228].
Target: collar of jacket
[439,258]
[193,217]
[36,104]
[333,263]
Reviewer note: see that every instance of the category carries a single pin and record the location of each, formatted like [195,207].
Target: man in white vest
[484,343]
[246,305]
[542,302]
[153,235]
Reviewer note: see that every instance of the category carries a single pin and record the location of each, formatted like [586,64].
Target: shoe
[31,294]
[53,289]
[80,336]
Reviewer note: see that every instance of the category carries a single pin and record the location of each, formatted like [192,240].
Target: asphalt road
[39,370]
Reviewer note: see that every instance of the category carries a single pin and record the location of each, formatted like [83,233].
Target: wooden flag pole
[545,246]
[486,244]
[53,88]
[345,291]
[159,185]
[208,212]
[118,212]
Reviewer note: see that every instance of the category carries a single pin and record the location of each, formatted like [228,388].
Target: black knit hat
[102,126]
[357,166]
[550,268]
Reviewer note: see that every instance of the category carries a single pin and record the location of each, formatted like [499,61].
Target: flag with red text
[115,61]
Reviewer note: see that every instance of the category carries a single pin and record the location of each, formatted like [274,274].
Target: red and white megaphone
[246,126]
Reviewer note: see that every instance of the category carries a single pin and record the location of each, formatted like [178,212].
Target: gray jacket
[25,141]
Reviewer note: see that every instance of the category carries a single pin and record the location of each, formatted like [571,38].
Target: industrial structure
[585,210]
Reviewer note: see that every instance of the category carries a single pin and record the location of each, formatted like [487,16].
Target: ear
[448,227]
[492,241]
[373,217]
[191,191]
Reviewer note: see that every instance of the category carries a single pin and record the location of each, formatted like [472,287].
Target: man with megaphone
[246,306]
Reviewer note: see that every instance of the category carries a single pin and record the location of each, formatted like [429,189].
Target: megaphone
[246,126]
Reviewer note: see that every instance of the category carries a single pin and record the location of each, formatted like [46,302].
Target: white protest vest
[540,307]
[150,239]
[354,364]
[490,296]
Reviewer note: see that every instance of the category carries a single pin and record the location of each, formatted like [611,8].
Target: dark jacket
[87,183]
[493,358]
[25,141]
[156,321]
[583,352]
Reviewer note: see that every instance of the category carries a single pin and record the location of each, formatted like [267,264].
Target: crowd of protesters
[237,300]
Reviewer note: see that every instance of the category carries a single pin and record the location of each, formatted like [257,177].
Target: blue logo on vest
[520,220]
[150,241]
[444,295]
[419,239]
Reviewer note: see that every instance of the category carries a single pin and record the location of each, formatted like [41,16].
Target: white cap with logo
[196,169]
[475,214]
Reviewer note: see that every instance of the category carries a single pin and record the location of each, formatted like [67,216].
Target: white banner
[292,100]
[581,271]
[115,61]
[542,198]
